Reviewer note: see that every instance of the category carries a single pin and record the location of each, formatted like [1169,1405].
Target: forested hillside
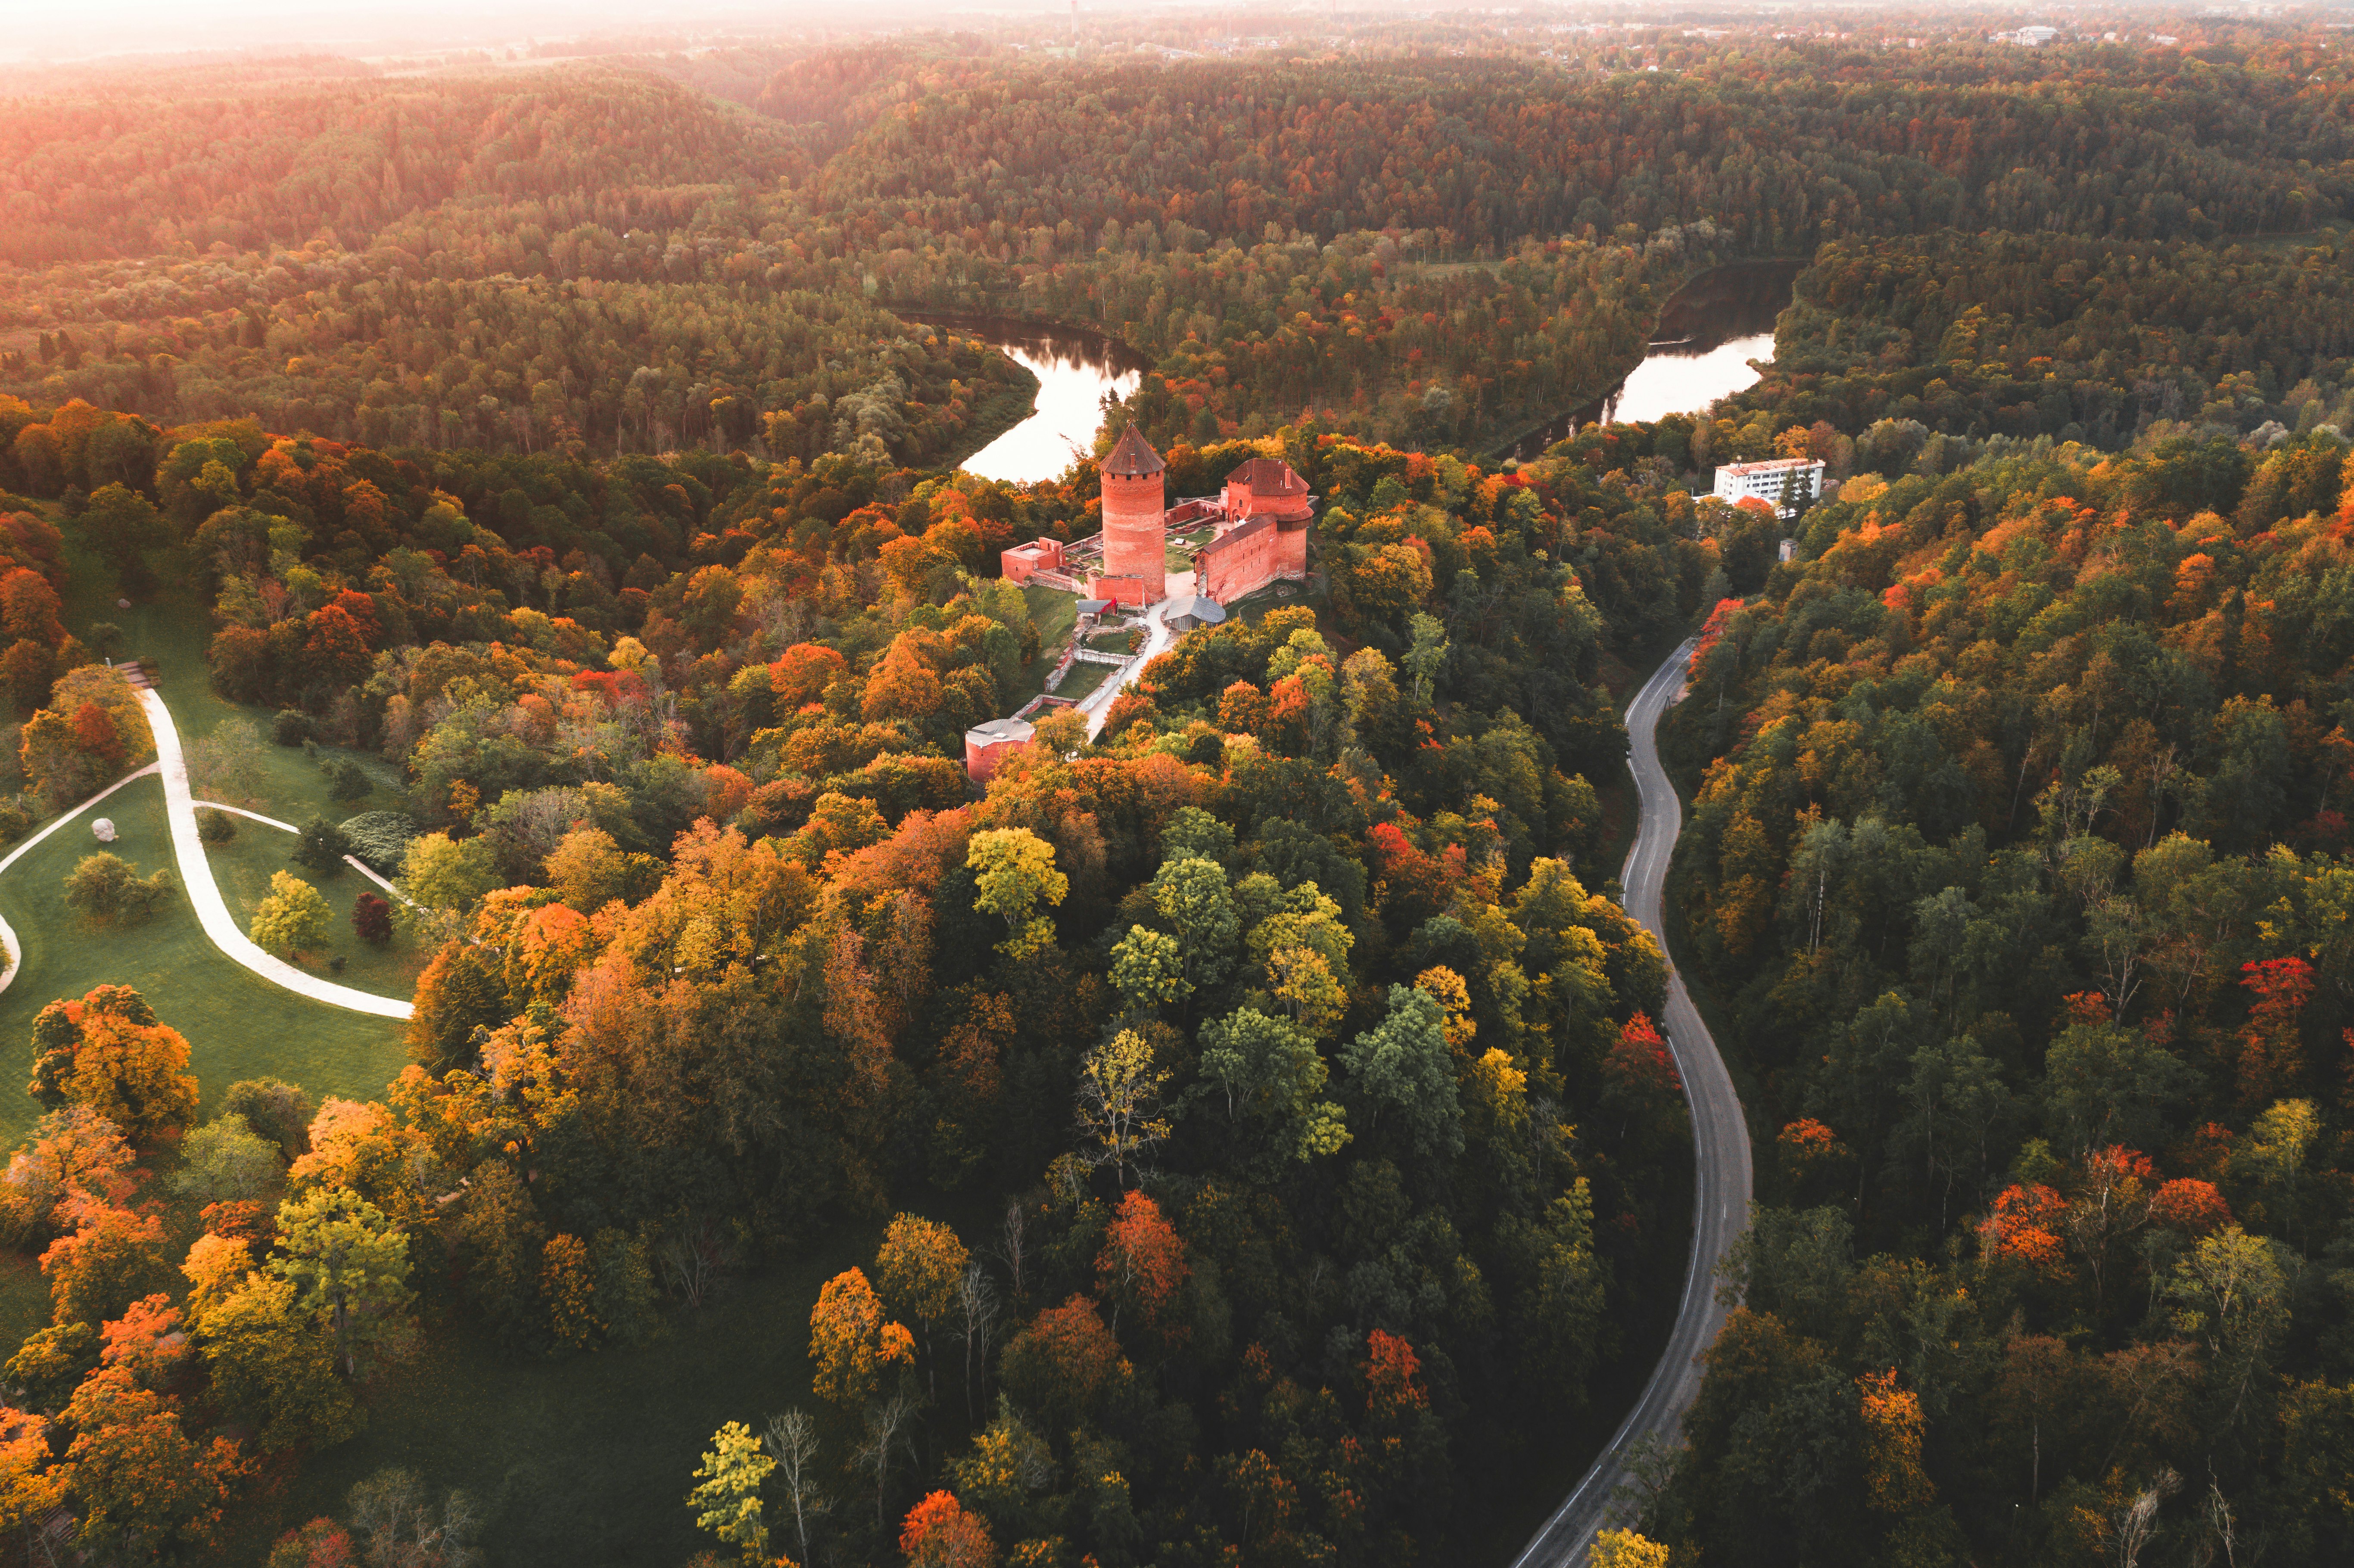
[2018,865]
[1287,1036]
[1280,239]
[1241,1137]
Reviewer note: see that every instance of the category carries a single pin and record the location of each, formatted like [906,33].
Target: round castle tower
[1135,541]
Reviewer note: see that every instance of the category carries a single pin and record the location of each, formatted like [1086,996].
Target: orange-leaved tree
[852,1341]
[1892,1422]
[108,1052]
[1060,1364]
[1142,1265]
[939,1533]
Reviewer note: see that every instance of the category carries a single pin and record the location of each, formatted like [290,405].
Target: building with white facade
[1766,482]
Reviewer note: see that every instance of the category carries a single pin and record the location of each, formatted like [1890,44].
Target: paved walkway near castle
[1096,704]
[204,893]
[8,932]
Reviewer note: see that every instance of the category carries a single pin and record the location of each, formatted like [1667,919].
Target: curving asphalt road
[1720,1146]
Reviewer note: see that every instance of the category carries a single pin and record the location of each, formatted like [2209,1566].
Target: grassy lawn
[1055,614]
[1182,545]
[242,867]
[1084,679]
[238,1025]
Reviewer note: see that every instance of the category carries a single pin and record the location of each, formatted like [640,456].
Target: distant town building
[1800,479]
[1789,550]
[2026,38]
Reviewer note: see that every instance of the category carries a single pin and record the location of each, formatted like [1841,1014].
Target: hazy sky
[84,28]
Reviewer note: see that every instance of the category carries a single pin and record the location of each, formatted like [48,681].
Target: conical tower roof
[1132,457]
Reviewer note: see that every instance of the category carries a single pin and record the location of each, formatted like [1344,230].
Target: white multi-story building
[1766,482]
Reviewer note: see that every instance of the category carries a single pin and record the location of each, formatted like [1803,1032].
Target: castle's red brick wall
[1250,557]
[1121,590]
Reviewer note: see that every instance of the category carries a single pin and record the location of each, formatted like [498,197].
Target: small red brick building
[986,745]
[1023,562]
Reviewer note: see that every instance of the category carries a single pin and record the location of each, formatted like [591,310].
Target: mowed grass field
[243,867]
[238,1025]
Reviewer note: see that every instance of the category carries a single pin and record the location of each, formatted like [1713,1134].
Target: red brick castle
[1259,521]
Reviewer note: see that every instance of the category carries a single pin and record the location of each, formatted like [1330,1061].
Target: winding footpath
[204,893]
[7,932]
[1720,1149]
[1159,639]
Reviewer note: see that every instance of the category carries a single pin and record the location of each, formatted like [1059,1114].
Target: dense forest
[1254,1111]
[2017,865]
[1431,252]
[1312,946]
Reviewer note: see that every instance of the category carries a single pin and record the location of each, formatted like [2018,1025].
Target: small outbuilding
[1192,611]
[987,744]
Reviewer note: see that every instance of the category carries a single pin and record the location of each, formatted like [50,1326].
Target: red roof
[1269,476]
[1133,456]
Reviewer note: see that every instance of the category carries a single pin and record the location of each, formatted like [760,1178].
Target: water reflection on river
[1709,332]
[1075,371]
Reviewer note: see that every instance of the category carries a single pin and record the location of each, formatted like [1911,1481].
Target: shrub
[372,920]
[215,827]
[380,838]
[107,888]
[18,814]
[273,1107]
[322,847]
[293,727]
[346,779]
[292,920]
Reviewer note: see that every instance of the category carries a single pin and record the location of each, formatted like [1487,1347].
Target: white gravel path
[204,893]
[8,932]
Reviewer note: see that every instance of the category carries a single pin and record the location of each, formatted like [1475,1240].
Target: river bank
[1073,369]
[1707,332]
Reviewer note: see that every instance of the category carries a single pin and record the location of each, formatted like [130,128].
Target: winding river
[1709,330]
[1077,370]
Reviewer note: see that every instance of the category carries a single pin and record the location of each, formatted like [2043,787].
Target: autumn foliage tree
[1142,1265]
[939,1532]
[852,1341]
[109,1051]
